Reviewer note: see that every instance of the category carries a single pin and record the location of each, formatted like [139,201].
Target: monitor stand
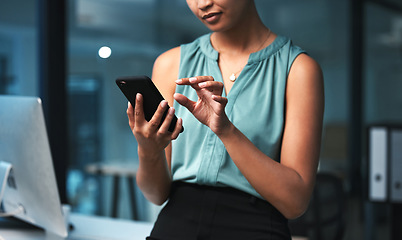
[5,169]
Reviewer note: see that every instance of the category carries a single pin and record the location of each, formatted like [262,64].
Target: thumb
[184,101]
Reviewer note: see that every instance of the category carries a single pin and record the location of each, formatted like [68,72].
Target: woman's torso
[256,106]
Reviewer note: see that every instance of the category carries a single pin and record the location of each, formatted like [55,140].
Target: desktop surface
[83,228]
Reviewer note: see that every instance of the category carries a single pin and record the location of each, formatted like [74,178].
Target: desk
[91,228]
[87,228]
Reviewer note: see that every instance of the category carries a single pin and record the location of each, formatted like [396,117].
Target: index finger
[194,80]
[138,109]
[130,114]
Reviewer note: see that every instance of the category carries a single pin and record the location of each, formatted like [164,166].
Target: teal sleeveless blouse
[256,106]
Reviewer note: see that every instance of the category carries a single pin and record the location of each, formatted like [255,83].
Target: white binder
[378,159]
[396,166]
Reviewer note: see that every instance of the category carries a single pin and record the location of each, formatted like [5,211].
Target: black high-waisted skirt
[196,212]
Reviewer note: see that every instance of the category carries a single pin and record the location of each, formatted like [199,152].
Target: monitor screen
[30,192]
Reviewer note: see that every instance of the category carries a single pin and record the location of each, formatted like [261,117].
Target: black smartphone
[132,85]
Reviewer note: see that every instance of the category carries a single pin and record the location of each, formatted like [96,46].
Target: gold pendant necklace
[233,76]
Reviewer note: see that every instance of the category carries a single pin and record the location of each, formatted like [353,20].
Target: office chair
[324,218]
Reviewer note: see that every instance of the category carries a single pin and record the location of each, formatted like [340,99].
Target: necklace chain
[233,76]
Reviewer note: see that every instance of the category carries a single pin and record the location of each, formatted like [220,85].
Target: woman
[252,108]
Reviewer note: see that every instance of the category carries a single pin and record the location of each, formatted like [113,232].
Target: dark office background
[50,49]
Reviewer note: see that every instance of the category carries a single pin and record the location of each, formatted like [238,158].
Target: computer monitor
[31,192]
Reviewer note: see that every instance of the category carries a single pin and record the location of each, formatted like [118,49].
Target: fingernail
[179,81]
[164,103]
[192,79]
[202,84]
[128,104]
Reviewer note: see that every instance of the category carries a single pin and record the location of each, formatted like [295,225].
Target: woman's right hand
[151,138]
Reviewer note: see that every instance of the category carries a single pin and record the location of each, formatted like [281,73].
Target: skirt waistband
[258,202]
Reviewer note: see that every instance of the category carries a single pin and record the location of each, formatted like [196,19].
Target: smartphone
[132,85]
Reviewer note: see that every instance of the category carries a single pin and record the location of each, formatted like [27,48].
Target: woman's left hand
[210,106]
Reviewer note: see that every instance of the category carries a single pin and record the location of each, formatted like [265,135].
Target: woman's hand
[150,137]
[210,107]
